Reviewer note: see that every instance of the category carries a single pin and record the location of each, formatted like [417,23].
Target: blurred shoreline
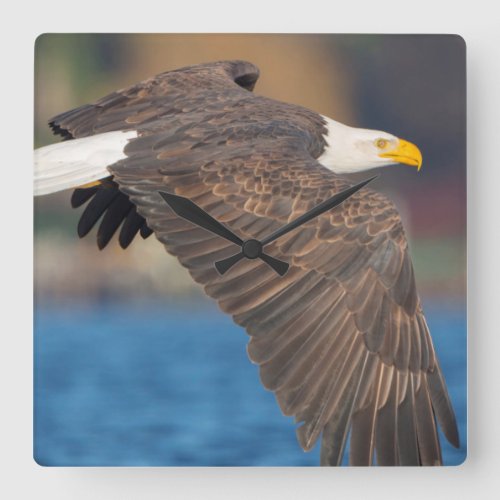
[69,269]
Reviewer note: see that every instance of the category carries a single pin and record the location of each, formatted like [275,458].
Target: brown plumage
[341,339]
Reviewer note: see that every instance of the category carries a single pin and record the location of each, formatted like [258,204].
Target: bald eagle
[341,339]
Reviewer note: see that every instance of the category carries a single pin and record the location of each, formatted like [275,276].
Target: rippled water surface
[172,385]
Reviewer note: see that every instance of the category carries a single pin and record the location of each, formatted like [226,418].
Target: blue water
[171,385]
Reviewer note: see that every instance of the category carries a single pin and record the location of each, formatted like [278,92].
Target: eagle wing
[341,339]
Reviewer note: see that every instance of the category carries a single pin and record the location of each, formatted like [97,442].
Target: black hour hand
[251,249]
[188,210]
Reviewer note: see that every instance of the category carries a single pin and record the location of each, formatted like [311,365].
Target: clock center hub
[251,249]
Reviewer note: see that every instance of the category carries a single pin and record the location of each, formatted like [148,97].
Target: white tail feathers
[76,162]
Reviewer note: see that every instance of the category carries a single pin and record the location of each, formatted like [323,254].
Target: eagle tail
[78,162]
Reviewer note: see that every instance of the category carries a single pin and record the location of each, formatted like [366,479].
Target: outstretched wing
[166,96]
[341,339]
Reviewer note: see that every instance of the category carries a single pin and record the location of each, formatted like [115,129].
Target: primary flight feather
[341,338]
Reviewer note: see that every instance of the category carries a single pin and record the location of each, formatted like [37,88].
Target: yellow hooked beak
[405,152]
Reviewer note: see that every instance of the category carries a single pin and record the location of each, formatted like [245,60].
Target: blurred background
[133,364]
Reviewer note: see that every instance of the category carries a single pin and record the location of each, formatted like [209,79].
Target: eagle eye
[381,143]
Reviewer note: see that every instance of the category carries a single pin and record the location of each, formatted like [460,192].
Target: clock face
[204,217]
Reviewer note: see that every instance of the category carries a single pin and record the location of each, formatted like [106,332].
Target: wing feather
[336,429]
[363,422]
[386,424]
[314,332]
[442,405]
[131,226]
[95,208]
[406,427]
[316,381]
[427,437]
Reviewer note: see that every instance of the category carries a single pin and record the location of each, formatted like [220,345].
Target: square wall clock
[250,250]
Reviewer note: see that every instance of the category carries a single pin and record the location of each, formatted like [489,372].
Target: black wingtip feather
[101,201]
[115,207]
[112,219]
[81,196]
[131,226]
[58,130]
[146,231]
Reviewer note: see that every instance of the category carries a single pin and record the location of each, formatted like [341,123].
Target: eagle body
[341,339]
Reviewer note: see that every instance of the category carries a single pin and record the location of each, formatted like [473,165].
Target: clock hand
[278,265]
[326,205]
[188,210]
[252,249]
[226,264]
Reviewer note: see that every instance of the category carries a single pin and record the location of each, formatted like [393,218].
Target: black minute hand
[188,210]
